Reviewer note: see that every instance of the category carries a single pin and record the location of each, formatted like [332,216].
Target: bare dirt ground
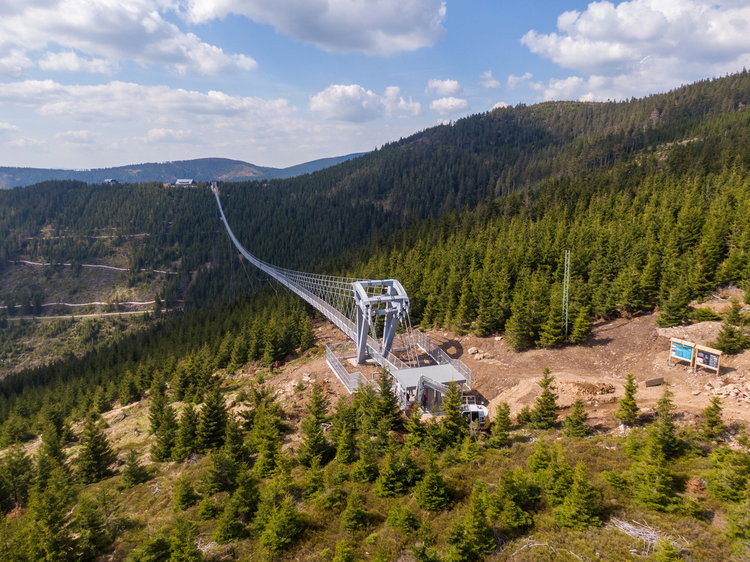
[595,371]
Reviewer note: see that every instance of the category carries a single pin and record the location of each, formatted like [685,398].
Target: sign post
[708,357]
[682,350]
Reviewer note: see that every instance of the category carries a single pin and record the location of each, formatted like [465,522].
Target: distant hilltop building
[110,181]
[184,182]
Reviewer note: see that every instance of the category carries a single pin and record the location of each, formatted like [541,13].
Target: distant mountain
[201,169]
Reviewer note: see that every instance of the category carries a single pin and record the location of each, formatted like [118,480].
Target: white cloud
[70,61]
[641,46]
[355,104]
[500,105]
[13,61]
[514,81]
[489,81]
[106,31]
[162,135]
[449,105]
[384,27]
[444,87]
[7,127]
[76,137]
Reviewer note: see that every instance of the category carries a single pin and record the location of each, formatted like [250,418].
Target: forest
[652,198]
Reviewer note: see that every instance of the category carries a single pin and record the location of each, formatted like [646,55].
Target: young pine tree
[50,510]
[580,509]
[161,450]
[574,424]
[627,409]
[453,424]
[314,442]
[186,441]
[133,473]
[501,426]
[96,453]
[183,495]
[432,492]
[212,421]
[386,406]
[282,528]
[544,414]
[354,516]
[713,427]
[581,326]
[551,332]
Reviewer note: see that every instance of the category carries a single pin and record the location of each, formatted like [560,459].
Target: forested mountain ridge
[650,195]
[200,169]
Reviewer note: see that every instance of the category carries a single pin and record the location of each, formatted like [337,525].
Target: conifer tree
[469,451]
[182,545]
[183,494]
[574,424]
[557,478]
[133,473]
[501,426]
[345,444]
[354,516]
[128,392]
[675,308]
[386,407]
[166,435]
[732,338]
[399,517]
[454,426]
[651,482]
[229,527]
[415,430]
[713,427]
[96,453]
[551,332]
[186,440]
[234,440]
[344,552]
[282,528]
[366,467]
[314,442]
[266,439]
[239,355]
[627,409]
[306,335]
[314,482]
[581,326]
[212,421]
[663,433]
[94,535]
[50,512]
[220,475]
[432,492]
[476,537]
[16,476]
[398,473]
[580,509]
[544,413]
[158,403]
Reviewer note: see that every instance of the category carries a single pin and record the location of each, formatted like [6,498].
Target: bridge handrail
[439,355]
[349,380]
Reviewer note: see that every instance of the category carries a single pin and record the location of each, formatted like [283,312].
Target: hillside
[201,169]
[252,461]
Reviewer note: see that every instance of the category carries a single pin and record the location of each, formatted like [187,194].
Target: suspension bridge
[374,315]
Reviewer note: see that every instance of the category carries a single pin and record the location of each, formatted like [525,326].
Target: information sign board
[708,357]
[682,350]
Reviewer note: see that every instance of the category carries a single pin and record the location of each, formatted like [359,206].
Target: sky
[100,83]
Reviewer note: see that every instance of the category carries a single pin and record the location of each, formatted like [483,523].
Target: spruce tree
[158,403]
[345,444]
[183,495]
[387,407]
[454,426]
[580,509]
[306,335]
[476,537]
[398,473]
[50,512]
[354,516]
[94,535]
[415,430]
[551,332]
[186,440]
[16,474]
[182,545]
[133,472]
[432,492]
[212,421]
[161,450]
[229,527]
[574,424]
[96,453]
[713,427]
[581,326]
[663,433]
[732,338]
[501,426]
[314,442]
[366,467]
[128,392]
[282,528]
[675,308]
[544,413]
[220,475]
[266,439]
[627,409]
